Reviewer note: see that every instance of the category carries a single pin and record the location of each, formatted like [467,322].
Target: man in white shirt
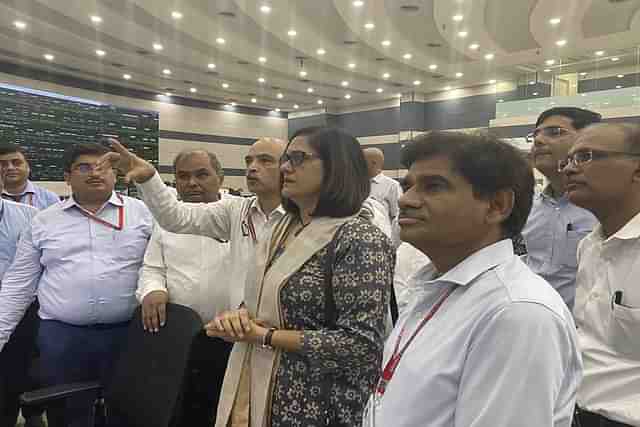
[191,271]
[603,176]
[486,342]
[383,189]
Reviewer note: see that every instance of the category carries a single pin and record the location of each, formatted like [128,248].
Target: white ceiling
[516,32]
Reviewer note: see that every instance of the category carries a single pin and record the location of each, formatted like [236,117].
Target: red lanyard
[392,364]
[92,216]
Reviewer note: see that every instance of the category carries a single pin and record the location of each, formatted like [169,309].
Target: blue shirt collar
[471,267]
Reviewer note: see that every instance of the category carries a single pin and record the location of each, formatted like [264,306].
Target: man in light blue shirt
[18,187]
[82,257]
[14,218]
[555,225]
[485,341]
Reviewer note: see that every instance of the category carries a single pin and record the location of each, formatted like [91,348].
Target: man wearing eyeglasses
[81,257]
[603,176]
[555,225]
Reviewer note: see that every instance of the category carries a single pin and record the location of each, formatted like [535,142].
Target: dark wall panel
[470,112]
[391,154]
[607,83]
[368,123]
[412,116]
[303,122]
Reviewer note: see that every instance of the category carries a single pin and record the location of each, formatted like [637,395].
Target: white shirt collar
[29,188]
[631,230]
[114,200]
[377,177]
[255,207]
[471,267]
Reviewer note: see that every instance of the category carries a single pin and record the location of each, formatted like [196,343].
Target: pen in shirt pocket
[569,227]
[616,299]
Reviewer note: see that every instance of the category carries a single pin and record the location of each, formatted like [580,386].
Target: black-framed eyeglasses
[86,168]
[582,157]
[296,158]
[550,132]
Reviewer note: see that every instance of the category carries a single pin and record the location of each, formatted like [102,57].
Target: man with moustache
[555,225]
[17,186]
[603,176]
[486,342]
[81,257]
[191,271]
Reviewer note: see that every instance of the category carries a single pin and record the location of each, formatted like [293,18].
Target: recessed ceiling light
[379,90]
[547,70]
[561,42]
[554,21]
[296,106]
[233,104]
[320,102]
[358,3]
[303,73]
[458,75]
[166,72]
[615,59]
[457,18]
[211,66]
[225,85]
[49,57]
[292,33]
[347,96]
[369,25]
[100,52]
[550,61]
[168,94]
[535,93]
[309,90]
[253,100]
[386,43]
[500,100]
[344,83]
[96,19]
[193,90]
[489,56]
[492,82]
[463,34]
[262,59]
[261,80]
[584,73]
[433,67]
[280,96]
[386,76]
[447,88]
[126,76]
[417,82]
[265,9]
[532,82]
[599,53]
[618,87]
[20,25]
[352,65]
[474,46]
[157,46]
[220,40]
[321,51]
[176,15]
[620,76]
[407,56]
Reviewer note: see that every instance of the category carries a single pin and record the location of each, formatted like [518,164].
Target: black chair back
[150,373]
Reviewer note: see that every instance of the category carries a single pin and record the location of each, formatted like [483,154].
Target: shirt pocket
[568,255]
[624,325]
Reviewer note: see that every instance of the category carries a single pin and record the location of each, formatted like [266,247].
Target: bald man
[383,189]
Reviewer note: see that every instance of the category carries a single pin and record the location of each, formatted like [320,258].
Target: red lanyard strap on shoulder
[92,216]
[390,368]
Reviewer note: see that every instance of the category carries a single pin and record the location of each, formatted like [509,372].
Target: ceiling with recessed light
[305,53]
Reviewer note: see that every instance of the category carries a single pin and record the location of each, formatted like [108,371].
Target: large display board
[46,123]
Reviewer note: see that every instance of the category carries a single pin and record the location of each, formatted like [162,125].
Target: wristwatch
[266,339]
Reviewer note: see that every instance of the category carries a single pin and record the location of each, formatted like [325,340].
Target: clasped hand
[237,325]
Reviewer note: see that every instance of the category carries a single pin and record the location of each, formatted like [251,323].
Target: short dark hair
[580,118]
[306,131]
[213,160]
[72,153]
[487,163]
[346,180]
[10,148]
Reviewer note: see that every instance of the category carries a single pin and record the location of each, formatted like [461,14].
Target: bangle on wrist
[266,339]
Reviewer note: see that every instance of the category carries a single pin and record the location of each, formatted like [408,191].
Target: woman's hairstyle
[346,181]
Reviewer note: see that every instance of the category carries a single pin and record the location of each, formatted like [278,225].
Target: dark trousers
[207,366]
[71,354]
[584,418]
[15,362]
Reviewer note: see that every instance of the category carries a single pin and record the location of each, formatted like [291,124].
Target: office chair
[148,378]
